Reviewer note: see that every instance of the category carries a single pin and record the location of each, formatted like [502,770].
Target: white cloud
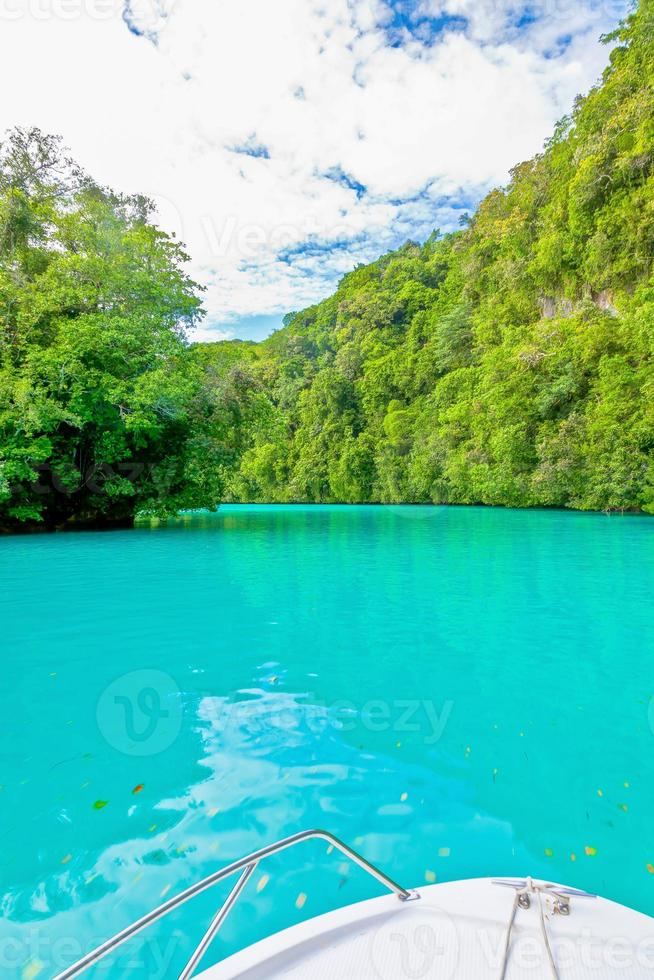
[286,141]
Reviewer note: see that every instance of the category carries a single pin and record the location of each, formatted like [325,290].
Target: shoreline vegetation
[510,363]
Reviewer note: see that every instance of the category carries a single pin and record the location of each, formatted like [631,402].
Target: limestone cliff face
[551,306]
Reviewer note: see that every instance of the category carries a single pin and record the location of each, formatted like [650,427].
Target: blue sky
[286,141]
[254,327]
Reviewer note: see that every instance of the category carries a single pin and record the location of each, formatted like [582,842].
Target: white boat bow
[456,931]
[482,929]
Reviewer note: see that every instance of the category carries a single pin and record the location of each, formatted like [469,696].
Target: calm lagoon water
[458,692]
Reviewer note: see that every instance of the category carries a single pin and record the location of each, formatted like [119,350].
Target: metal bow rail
[246,866]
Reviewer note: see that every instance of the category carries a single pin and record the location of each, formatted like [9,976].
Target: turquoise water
[448,689]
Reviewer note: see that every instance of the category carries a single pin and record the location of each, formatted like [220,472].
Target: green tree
[96,413]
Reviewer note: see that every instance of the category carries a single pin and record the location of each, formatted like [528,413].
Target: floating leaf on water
[443,852]
[300,901]
[650,868]
[139,788]
[90,879]
[430,876]
[626,785]
[212,812]
[590,851]
[573,857]
[404,797]
[100,804]
[165,890]
[330,848]
[32,969]
[398,745]
[623,807]
[262,882]
[67,858]
[549,852]
[152,828]
[600,792]
[159,856]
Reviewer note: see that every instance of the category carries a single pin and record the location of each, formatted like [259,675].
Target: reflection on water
[456,692]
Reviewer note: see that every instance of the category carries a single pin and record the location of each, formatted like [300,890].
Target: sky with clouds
[284,141]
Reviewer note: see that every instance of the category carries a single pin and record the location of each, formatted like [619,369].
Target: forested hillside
[510,363]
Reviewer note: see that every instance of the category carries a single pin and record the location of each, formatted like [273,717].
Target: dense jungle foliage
[100,416]
[510,363]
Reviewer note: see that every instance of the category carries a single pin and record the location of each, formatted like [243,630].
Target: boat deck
[454,931]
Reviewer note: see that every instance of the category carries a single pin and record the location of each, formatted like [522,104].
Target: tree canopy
[98,417]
